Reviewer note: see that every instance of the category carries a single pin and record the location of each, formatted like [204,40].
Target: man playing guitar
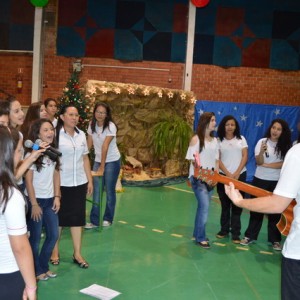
[288,188]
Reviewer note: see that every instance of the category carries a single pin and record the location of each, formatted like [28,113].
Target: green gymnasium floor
[148,254]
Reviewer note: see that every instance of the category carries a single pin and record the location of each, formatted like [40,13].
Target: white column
[187,79]
[37,56]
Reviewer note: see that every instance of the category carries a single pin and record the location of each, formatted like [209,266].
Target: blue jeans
[203,197]
[49,220]
[109,181]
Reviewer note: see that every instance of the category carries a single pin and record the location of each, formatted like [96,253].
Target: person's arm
[275,165]
[104,151]
[36,212]
[223,168]
[89,141]
[27,162]
[23,255]
[57,193]
[242,164]
[260,157]
[87,170]
[273,204]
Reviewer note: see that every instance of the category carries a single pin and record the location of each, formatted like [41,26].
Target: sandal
[42,277]
[83,264]
[51,274]
[54,262]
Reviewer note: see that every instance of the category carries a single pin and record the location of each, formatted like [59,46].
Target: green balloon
[39,3]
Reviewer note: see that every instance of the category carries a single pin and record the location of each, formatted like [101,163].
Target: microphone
[266,151]
[39,141]
[29,144]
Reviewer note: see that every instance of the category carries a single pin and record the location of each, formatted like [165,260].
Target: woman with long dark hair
[205,146]
[102,134]
[35,111]
[17,279]
[43,191]
[233,158]
[269,154]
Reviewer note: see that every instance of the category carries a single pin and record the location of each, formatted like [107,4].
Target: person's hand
[56,204]
[90,188]
[29,293]
[233,194]
[35,154]
[263,147]
[100,171]
[36,212]
[235,175]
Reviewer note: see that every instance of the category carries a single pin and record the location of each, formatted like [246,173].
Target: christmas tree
[73,94]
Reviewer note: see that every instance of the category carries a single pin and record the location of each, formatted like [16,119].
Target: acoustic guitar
[211,177]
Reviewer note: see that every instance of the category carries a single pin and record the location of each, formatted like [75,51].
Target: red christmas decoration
[200,3]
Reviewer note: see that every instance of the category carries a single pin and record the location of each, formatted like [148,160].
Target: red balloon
[200,3]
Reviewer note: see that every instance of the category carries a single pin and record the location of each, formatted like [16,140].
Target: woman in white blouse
[76,180]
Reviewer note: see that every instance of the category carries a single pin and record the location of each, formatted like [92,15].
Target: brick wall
[251,85]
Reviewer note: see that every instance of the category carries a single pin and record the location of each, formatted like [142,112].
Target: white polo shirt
[43,180]
[73,148]
[263,172]
[289,186]
[12,222]
[99,136]
[231,153]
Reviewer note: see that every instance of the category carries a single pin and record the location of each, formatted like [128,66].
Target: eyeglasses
[100,113]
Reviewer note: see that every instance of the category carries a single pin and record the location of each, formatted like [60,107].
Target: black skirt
[72,206]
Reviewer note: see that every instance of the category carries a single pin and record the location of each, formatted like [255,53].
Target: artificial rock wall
[136,109]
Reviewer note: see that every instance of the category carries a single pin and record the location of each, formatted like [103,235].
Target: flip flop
[54,262]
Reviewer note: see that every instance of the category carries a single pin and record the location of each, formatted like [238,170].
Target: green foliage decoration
[171,138]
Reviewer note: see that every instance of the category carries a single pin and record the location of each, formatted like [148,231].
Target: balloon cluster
[39,3]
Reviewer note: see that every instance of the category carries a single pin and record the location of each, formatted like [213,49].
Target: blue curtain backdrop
[254,119]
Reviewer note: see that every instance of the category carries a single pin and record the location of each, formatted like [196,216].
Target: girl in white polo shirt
[43,190]
[102,134]
[269,154]
[233,159]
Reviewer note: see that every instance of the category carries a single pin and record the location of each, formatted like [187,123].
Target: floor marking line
[242,248]
[185,191]
[266,252]
[219,244]
[157,230]
[177,235]
[177,189]
[123,222]
[140,226]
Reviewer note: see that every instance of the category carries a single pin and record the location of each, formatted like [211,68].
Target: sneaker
[204,244]
[246,241]
[221,235]
[90,226]
[276,246]
[106,223]
[236,240]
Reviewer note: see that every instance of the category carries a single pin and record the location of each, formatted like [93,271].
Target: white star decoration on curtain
[259,123]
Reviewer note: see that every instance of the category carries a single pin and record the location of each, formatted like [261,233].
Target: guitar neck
[242,186]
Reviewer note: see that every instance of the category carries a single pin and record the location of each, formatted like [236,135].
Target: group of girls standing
[228,154]
[56,186]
